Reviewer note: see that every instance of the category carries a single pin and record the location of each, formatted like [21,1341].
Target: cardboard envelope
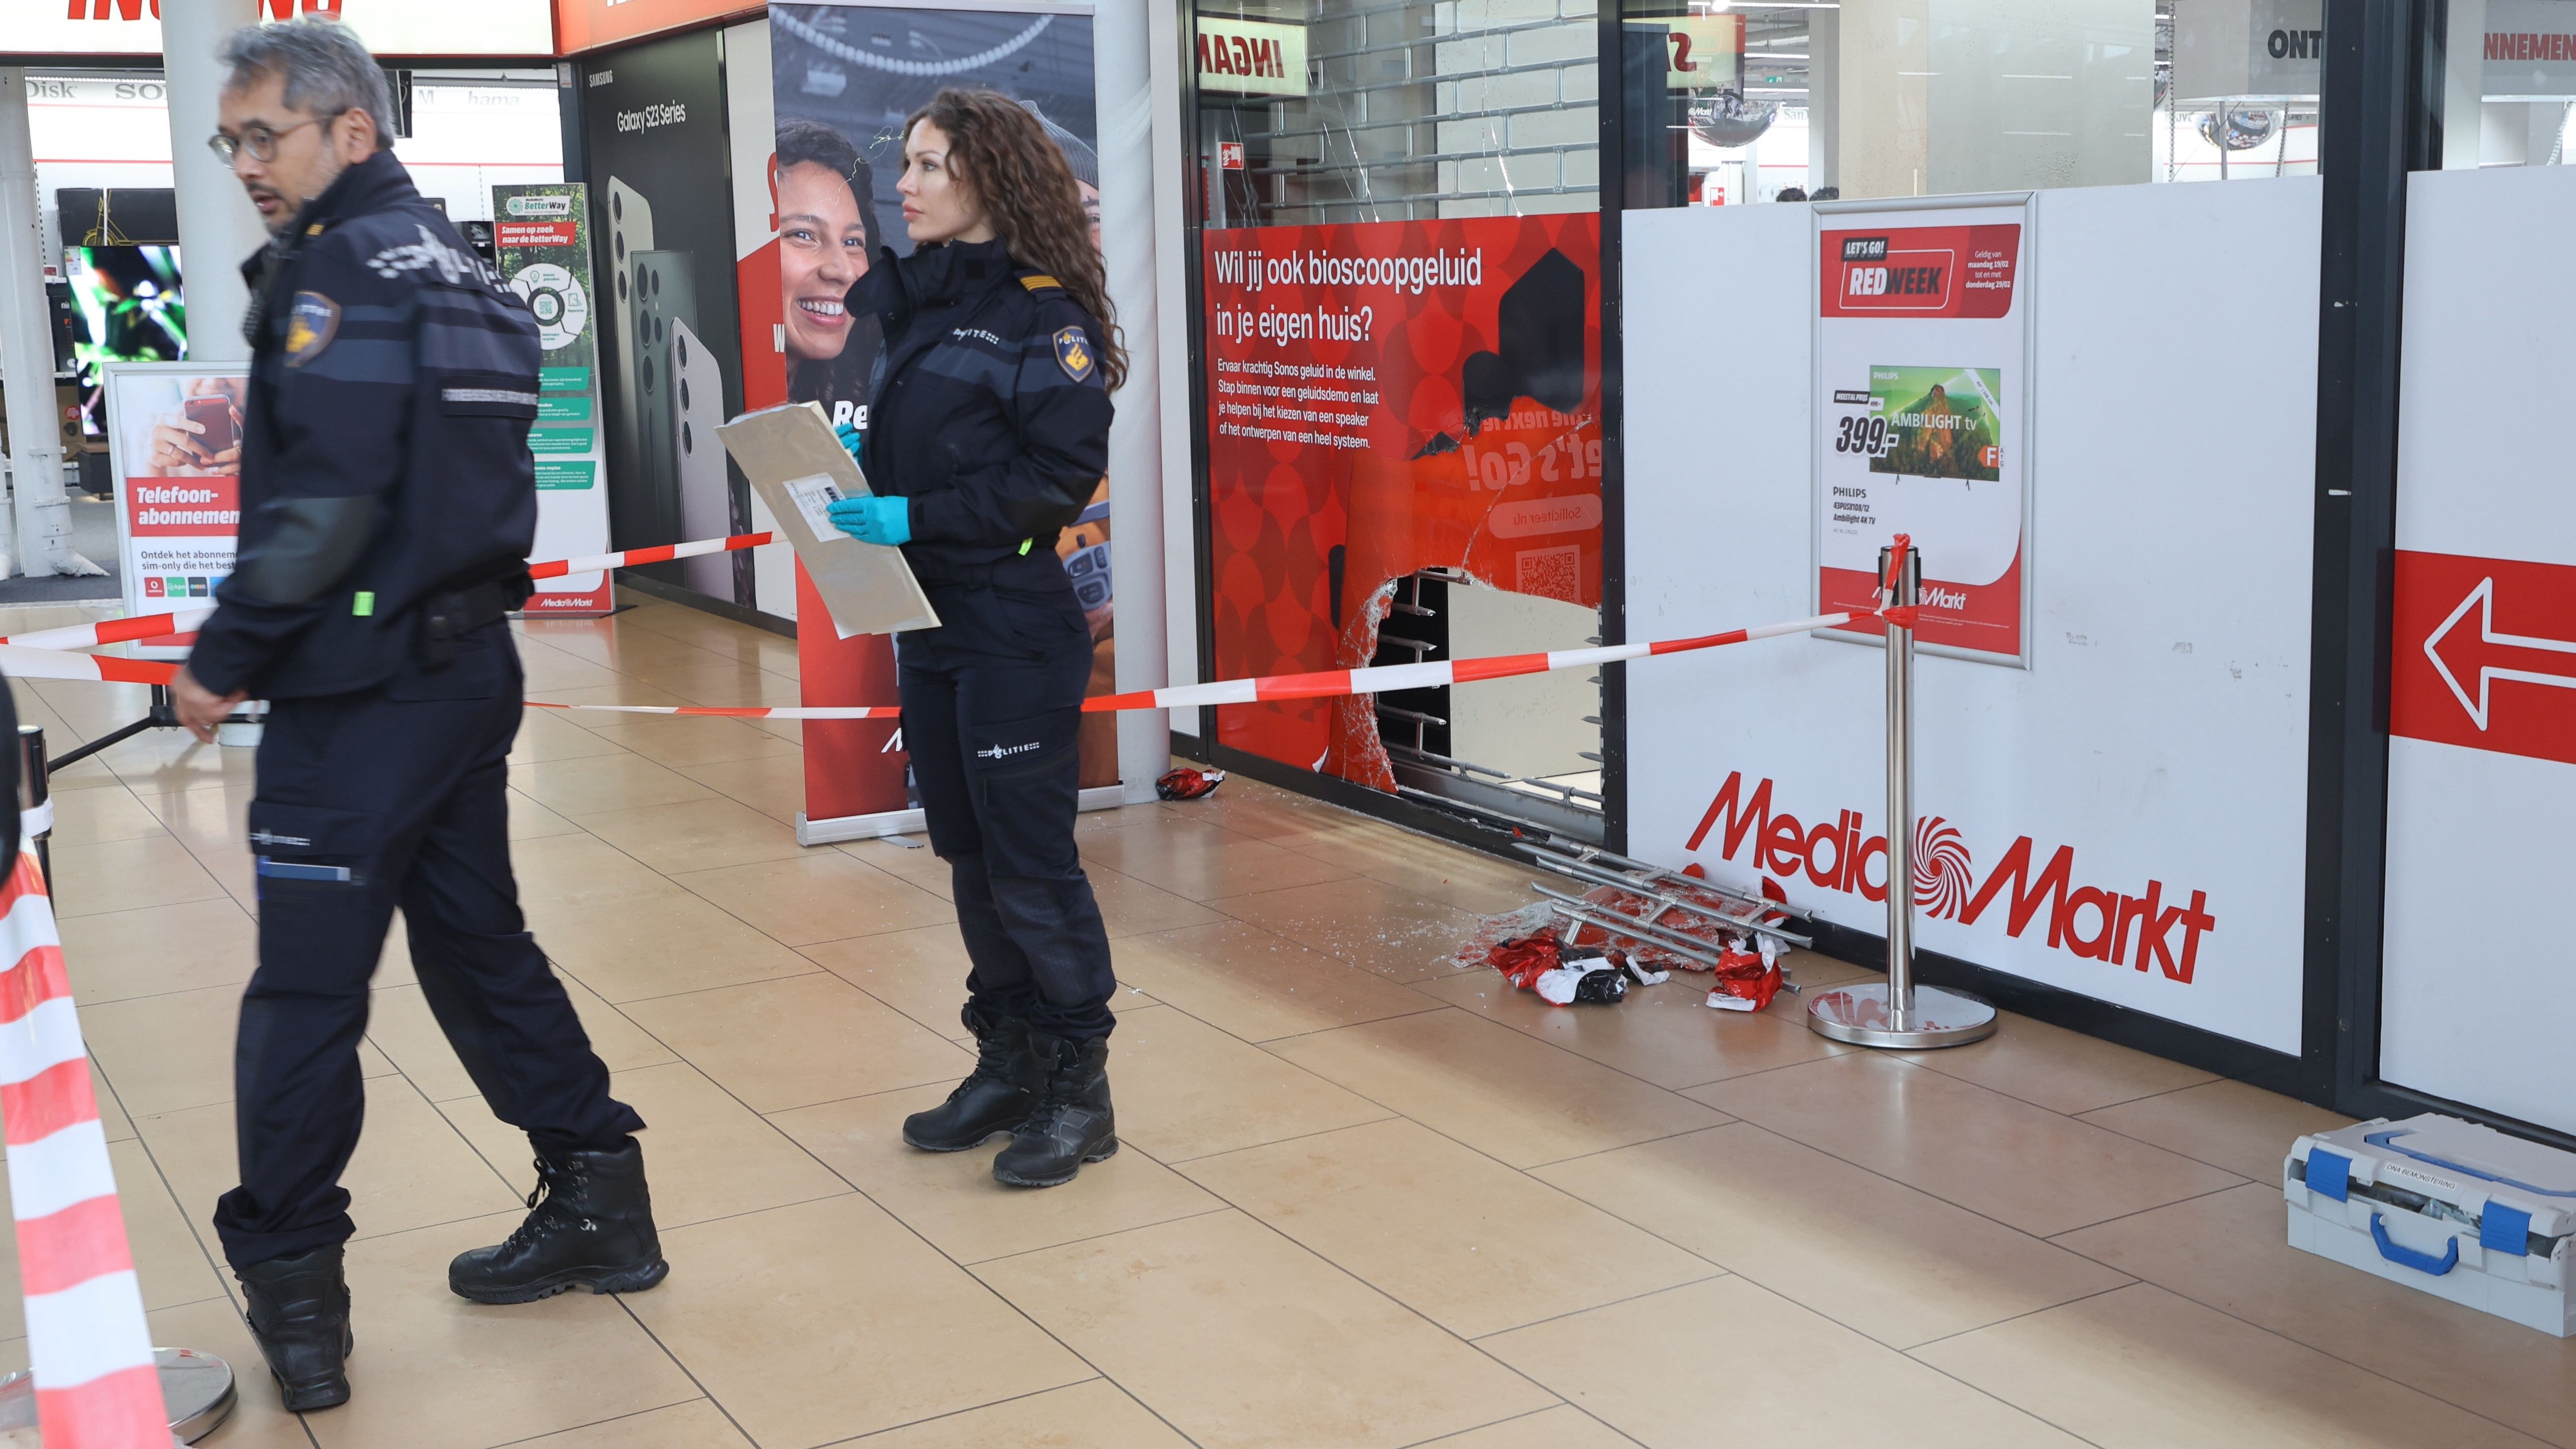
[799,468]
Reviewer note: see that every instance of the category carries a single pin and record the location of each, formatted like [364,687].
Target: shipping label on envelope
[815,494]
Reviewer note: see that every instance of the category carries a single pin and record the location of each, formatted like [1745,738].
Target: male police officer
[388,506]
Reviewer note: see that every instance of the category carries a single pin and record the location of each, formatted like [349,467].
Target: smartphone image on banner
[665,300]
[630,231]
[215,416]
[707,505]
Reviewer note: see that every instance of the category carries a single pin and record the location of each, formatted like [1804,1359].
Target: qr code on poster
[1550,573]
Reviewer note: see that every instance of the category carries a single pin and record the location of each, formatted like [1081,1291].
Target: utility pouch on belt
[448,617]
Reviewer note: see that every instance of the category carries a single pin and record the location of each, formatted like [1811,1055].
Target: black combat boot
[594,1229]
[1073,1123]
[997,1097]
[299,1317]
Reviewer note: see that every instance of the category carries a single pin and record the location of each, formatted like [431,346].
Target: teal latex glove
[873,520]
[853,440]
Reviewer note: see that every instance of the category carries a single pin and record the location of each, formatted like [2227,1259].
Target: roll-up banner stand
[817,149]
[174,448]
[1923,415]
[543,234]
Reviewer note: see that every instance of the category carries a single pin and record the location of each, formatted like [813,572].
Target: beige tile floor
[1363,1200]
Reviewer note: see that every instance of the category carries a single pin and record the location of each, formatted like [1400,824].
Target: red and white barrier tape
[181,621]
[27,663]
[1329,684]
[659,553]
[22,662]
[111,631]
[96,1384]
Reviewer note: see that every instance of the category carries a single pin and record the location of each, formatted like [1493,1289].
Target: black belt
[446,618]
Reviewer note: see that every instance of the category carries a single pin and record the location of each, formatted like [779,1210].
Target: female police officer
[988,429]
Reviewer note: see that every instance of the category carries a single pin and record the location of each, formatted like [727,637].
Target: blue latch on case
[2504,1229]
[2330,1173]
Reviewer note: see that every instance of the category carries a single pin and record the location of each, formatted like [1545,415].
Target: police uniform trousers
[992,705]
[392,796]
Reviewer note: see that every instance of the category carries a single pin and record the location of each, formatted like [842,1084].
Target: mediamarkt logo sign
[2092,922]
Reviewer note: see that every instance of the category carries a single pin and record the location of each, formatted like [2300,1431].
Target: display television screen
[127,306]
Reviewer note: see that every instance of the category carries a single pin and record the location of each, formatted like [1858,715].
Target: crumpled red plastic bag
[1744,980]
[1524,959]
[1188,784]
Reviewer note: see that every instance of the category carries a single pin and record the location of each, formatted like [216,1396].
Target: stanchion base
[1941,1017]
[197,1389]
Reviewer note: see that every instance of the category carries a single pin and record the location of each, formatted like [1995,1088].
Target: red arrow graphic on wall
[2484,654]
[2472,652]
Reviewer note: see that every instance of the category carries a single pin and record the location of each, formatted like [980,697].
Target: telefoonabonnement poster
[174,447]
[1923,395]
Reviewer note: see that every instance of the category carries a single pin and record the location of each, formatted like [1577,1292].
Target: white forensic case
[2458,1210]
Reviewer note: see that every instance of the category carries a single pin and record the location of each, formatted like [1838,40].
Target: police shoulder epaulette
[1040,281]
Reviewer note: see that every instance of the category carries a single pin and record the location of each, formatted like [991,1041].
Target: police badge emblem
[1073,353]
[311,322]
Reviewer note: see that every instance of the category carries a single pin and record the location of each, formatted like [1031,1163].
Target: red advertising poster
[1387,397]
[1921,342]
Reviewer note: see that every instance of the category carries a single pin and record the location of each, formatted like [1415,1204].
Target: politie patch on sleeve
[311,323]
[1073,352]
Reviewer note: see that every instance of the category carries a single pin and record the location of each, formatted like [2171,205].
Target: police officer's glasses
[260,141]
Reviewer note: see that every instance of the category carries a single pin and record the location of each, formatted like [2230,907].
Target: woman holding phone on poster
[987,432]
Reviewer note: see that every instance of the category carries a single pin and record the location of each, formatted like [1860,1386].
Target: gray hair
[325,66]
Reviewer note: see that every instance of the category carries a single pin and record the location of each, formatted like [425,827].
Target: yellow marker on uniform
[1024,546]
[364,605]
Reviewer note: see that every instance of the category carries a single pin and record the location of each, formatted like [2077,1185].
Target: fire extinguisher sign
[1922,403]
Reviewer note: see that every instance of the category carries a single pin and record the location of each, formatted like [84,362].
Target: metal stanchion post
[36,799]
[1898,1013]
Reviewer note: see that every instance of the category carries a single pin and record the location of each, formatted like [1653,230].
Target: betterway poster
[1922,343]
[1384,398]
[543,234]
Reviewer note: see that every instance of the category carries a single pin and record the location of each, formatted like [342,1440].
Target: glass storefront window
[1730,104]
[2508,83]
[1400,241]
[1318,111]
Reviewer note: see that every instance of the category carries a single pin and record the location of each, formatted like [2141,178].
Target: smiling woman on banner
[987,432]
[827,230]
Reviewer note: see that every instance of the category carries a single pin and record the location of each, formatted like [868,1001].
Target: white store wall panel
[2478,992]
[2159,736]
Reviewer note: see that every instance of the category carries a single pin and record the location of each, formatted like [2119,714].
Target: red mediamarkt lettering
[1834,855]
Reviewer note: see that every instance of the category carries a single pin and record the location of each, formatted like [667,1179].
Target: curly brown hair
[1019,177]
